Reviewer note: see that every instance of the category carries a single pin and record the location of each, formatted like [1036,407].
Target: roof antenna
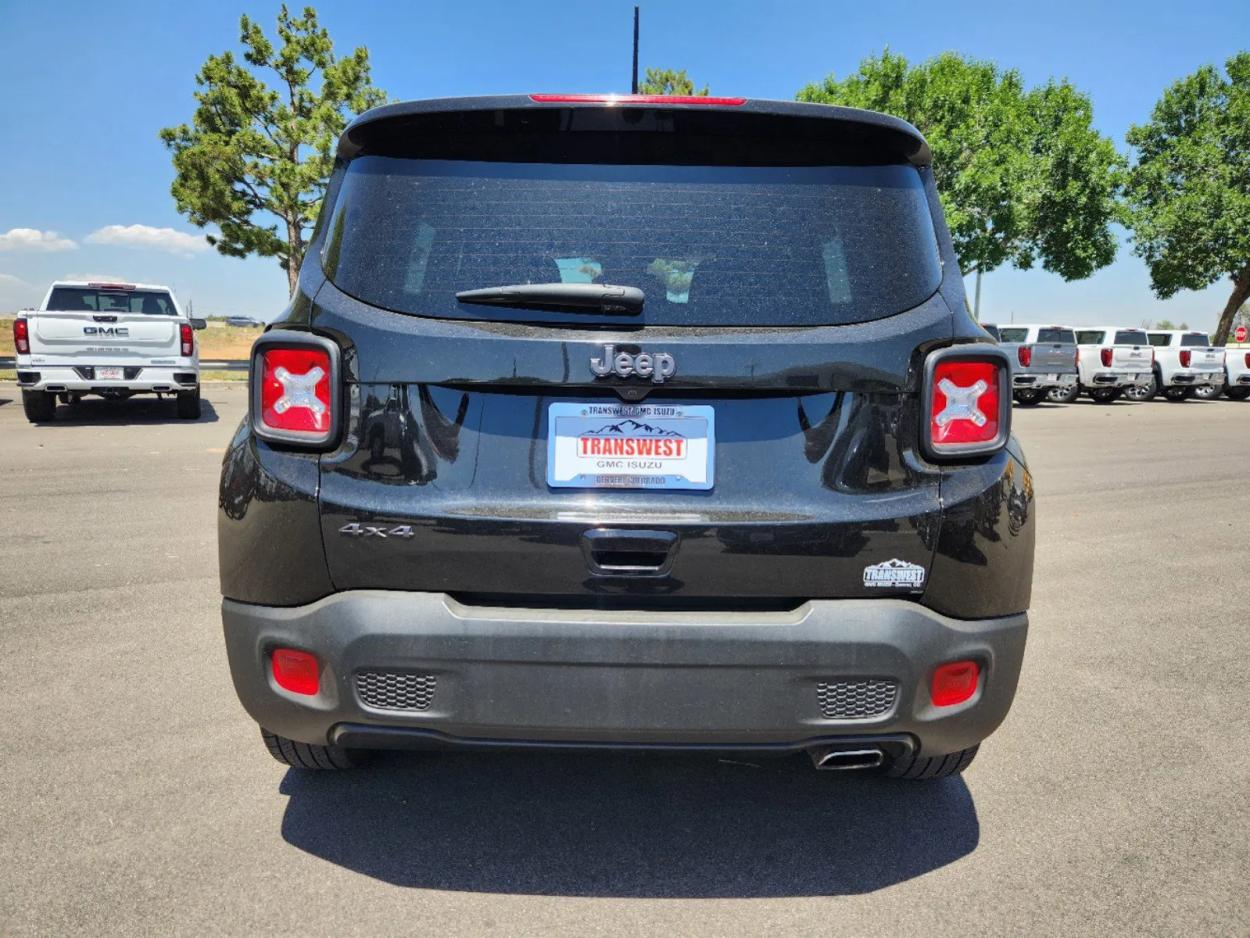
[633,88]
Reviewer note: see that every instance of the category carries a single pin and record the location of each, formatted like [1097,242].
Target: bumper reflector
[954,682]
[296,671]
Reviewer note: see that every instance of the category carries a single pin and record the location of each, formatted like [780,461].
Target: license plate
[109,374]
[630,446]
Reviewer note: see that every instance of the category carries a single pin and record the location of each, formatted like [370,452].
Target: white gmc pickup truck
[1184,361]
[111,339]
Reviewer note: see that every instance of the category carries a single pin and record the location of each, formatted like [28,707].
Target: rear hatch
[748,436]
[1054,352]
[1131,352]
[105,324]
[1202,356]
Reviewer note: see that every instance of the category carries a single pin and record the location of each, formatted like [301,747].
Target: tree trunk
[295,254]
[1241,291]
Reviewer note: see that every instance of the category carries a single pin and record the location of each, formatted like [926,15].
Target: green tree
[255,161]
[1189,186]
[1022,174]
[669,81]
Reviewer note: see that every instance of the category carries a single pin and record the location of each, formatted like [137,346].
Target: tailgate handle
[625,552]
[105,318]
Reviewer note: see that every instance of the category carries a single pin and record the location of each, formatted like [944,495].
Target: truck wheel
[189,405]
[1028,397]
[1238,394]
[1208,392]
[308,755]
[1105,395]
[938,767]
[40,406]
[1178,394]
[1065,395]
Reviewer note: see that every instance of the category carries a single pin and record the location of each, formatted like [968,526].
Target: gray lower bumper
[558,677]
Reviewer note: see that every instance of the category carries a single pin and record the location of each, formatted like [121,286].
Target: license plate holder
[597,445]
[109,373]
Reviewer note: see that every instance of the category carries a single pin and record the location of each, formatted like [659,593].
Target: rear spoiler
[634,129]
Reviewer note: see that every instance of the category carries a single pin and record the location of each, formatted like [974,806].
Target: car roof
[86,284]
[608,113]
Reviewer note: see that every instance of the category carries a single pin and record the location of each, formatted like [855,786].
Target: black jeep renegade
[628,422]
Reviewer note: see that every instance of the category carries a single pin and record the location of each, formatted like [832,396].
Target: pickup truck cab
[1111,360]
[1184,361]
[111,339]
[1043,358]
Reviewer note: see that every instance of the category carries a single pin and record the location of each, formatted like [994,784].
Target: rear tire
[189,405]
[1238,394]
[40,406]
[1028,397]
[913,767]
[1178,394]
[309,755]
[1143,392]
[1105,395]
[1064,395]
[1208,392]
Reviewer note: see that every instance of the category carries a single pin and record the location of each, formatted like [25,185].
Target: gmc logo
[119,332]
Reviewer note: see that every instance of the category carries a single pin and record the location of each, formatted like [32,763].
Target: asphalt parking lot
[136,797]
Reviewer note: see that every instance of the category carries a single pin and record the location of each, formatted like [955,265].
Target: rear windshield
[1090,336]
[93,300]
[1131,337]
[1012,335]
[1063,336]
[708,245]
[991,329]
[1159,339]
[1195,339]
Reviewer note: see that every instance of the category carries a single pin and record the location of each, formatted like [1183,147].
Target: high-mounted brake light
[954,682]
[188,339]
[1186,357]
[967,402]
[296,671]
[295,388]
[1025,354]
[1105,354]
[21,336]
[636,99]
[111,286]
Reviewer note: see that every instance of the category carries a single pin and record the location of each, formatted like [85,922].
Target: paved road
[135,796]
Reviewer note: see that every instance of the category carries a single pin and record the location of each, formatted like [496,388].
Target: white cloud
[8,280]
[154,239]
[32,239]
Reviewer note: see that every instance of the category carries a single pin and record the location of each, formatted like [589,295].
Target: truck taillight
[295,388]
[1186,357]
[188,339]
[1025,355]
[967,402]
[1248,359]
[1106,357]
[21,336]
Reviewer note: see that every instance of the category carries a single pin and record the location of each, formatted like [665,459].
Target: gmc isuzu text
[628,422]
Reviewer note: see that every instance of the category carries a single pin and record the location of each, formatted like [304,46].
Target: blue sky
[87,86]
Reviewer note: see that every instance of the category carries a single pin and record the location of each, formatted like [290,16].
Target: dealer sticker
[894,574]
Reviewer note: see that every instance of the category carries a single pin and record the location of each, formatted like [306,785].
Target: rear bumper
[1042,381]
[82,378]
[1118,379]
[1187,379]
[513,676]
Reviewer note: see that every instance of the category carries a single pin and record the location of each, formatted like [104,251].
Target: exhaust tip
[846,760]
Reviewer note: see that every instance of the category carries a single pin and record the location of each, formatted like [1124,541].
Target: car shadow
[626,825]
[136,411]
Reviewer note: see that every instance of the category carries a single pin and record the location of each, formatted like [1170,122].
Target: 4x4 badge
[657,366]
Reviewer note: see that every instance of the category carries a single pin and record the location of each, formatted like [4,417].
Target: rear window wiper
[603,297]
